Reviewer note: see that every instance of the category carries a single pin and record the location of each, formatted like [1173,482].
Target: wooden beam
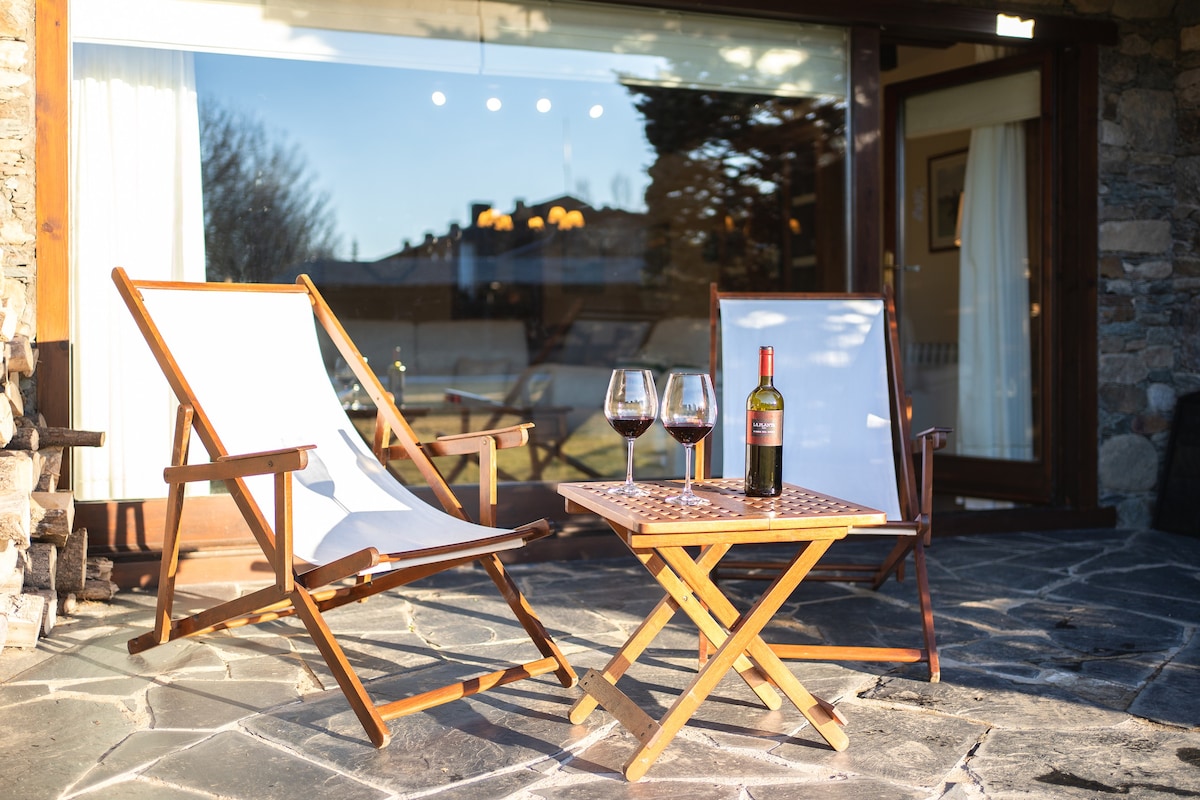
[52,45]
[906,19]
[866,274]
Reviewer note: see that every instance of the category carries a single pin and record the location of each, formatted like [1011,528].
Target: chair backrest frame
[207,431]
[901,438]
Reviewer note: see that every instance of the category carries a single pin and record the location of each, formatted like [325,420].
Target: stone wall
[1149,270]
[18,221]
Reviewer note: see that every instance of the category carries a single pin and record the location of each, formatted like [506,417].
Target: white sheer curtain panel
[995,413]
[135,202]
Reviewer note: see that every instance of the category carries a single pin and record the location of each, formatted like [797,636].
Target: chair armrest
[288,459]
[483,444]
[280,463]
[466,444]
[927,441]
[460,395]
[462,443]
[936,435]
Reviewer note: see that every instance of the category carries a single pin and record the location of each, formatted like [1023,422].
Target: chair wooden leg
[169,565]
[528,619]
[376,729]
[894,561]
[935,669]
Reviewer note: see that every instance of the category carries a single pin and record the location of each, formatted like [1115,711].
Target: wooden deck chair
[846,433]
[332,521]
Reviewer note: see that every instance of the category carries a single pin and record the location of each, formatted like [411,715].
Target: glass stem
[629,462]
[687,470]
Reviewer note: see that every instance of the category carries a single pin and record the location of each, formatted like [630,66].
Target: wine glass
[630,406]
[689,411]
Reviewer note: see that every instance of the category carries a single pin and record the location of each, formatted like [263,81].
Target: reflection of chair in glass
[561,399]
[343,527]
[564,386]
[846,433]
[674,343]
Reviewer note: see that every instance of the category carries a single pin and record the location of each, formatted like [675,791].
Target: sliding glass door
[969,160]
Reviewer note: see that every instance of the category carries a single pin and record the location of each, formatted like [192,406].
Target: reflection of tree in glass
[261,212]
[724,187]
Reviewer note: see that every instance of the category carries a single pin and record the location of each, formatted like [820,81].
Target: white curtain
[136,203]
[995,399]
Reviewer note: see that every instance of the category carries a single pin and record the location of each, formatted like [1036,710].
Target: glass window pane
[514,225]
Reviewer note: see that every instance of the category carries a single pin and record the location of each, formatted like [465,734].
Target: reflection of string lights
[558,216]
[543,104]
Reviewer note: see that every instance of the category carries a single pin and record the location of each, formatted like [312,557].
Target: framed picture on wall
[947,174]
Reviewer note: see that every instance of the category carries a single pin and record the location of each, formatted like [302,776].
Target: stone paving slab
[1070,668]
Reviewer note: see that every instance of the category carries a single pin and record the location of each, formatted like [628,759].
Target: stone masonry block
[49,609]
[1128,463]
[1142,9]
[1189,38]
[43,563]
[71,575]
[14,532]
[1136,236]
[16,472]
[25,620]
[1125,368]
[1148,118]
[52,516]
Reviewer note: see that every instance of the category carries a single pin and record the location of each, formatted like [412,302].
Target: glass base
[629,490]
[686,500]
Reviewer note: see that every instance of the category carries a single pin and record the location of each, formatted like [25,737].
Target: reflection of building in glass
[512,264]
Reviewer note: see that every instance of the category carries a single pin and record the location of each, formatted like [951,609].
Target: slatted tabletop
[798,514]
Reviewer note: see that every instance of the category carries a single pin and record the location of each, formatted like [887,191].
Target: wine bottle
[764,431]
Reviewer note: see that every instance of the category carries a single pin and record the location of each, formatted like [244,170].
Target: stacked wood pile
[44,568]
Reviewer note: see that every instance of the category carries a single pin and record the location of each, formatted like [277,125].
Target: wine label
[764,428]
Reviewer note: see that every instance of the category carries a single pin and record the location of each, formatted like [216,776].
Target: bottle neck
[766,366]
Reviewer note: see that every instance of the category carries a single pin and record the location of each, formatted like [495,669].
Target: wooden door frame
[1066,474]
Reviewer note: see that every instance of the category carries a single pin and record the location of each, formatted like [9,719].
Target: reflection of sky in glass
[397,166]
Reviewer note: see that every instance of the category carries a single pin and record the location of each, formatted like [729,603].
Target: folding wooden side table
[657,534]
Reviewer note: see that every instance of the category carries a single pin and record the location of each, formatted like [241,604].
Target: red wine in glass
[630,406]
[688,434]
[631,428]
[689,412]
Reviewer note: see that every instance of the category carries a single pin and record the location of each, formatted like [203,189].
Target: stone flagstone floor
[1071,668]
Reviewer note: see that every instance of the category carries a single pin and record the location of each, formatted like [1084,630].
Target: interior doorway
[968,243]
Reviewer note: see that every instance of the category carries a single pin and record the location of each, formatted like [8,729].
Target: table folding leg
[737,636]
[650,627]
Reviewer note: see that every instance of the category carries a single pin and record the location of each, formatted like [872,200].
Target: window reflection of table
[657,534]
[470,414]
